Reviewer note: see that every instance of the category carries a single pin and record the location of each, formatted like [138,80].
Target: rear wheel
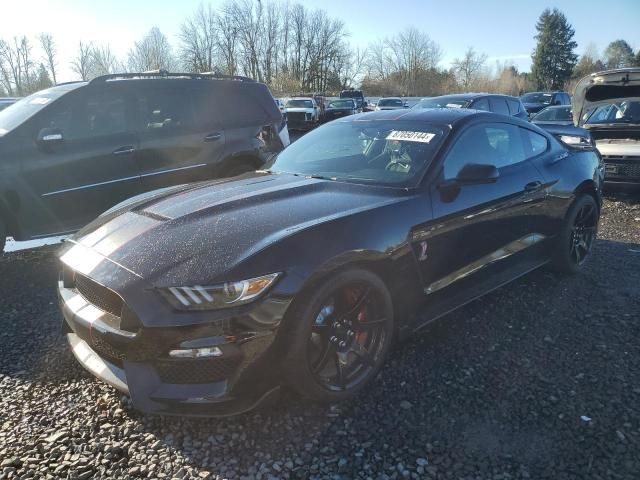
[577,236]
[340,335]
[3,234]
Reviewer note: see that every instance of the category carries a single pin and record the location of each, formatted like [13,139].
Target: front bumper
[136,361]
[621,169]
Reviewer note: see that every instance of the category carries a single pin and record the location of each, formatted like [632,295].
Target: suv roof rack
[166,74]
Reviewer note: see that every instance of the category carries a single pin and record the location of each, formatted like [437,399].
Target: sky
[503,29]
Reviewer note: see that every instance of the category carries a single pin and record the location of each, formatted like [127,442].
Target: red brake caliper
[353,295]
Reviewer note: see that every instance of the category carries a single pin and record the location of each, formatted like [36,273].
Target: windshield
[23,109]
[390,102]
[554,114]
[299,104]
[619,112]
[537,97]
[443,102]
[380,152]
[341,104]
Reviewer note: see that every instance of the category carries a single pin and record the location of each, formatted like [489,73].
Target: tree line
[293,48]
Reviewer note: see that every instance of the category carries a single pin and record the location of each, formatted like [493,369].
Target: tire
[3,234]
[343,325]
[238,167]
[576,238]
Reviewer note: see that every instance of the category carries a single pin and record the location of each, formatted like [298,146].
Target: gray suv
[72,151]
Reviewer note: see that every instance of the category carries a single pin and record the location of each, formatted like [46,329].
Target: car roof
[448,116]
[472,96]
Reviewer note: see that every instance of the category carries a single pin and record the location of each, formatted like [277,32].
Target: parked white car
[302,113]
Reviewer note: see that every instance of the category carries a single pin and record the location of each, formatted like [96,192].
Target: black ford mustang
[204,299]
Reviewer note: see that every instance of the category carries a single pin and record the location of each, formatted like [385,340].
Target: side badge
[423,251]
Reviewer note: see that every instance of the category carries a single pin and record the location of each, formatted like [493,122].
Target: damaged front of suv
[608,105]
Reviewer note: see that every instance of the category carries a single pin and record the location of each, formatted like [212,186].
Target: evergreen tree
[553,57]
[638,58]
[619,54]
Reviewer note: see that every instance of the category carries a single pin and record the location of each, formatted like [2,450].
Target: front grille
[188,371]
[107,351]
[622,165]
[296,117]
[94,293]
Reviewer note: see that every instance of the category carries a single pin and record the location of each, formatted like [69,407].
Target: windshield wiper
[321,177]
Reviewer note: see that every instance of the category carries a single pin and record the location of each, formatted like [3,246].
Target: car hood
[197,233]
[604,87]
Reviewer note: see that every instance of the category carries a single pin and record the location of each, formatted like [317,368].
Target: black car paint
[55,189]
[307,228]
[503,104]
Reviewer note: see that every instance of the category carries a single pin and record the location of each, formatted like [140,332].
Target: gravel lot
[540,379]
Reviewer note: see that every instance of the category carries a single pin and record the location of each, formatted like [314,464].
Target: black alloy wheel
[347,337]
[577,236]
[341,337]
[583,232]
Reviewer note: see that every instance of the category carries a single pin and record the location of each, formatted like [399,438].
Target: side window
[105,114]
[537,143]
[481,104]
[499,105]
[514,106]
[165,110]
[90,115]
[496,144]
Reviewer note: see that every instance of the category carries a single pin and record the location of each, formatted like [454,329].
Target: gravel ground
[540,379]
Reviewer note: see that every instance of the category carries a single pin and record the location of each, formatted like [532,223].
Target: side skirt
[430,314]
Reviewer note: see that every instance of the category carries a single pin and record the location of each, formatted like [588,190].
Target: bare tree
[17,66]
[226,44]
[469,68]
[199,40]
[81,65]
[102,62]
[50,53]
[153,52]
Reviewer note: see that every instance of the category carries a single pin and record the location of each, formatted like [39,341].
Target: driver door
[483,230]
[90,169]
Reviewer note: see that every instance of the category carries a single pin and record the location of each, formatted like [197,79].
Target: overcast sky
[503,29]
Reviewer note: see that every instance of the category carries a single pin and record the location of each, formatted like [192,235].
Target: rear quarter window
[537,143]
[499,105]
[514,106]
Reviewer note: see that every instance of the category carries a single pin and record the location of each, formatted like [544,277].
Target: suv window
[537,143]
[514,106]
[481,104]
[165,110]
[499,105]
[496,144]
[96,114]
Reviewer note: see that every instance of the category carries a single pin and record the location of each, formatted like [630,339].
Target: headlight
[576,141]
[230,294]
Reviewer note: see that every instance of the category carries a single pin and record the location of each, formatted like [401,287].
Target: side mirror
[473,173]
[49,137]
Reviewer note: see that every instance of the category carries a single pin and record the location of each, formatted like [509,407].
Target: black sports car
[205,299]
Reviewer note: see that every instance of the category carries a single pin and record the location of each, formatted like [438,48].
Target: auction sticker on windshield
[423,137]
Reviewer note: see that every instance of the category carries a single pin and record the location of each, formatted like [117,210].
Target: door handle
[212,137]
[531,186]
[128,150]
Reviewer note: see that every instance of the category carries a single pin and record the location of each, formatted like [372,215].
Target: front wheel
[577,236]
[339,335]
